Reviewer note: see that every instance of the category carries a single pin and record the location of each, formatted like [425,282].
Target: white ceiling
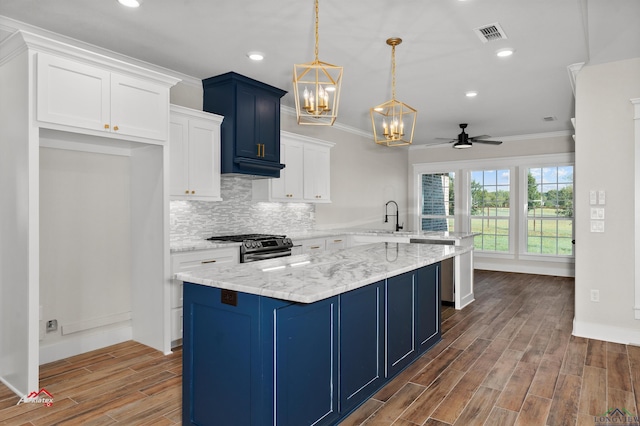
[440,58]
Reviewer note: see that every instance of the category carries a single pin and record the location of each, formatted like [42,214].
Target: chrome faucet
[386,215]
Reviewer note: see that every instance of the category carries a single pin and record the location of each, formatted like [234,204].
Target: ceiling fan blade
[488,142]
[445,139]
[479,137]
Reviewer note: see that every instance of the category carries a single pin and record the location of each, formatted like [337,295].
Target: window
[550,210]
[490,209]
[438,205]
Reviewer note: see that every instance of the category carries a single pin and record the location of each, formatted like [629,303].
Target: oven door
[264,255]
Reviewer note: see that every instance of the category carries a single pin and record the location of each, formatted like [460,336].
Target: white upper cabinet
[289,187]
[194,144]
[84,96]
[306,177]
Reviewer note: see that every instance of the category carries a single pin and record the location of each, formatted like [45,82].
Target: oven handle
[264,256]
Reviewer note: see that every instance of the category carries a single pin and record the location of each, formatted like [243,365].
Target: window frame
[523,173]
[454,217]
[462,188]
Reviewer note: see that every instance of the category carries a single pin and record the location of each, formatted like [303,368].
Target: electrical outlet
[595,295]
[52,325]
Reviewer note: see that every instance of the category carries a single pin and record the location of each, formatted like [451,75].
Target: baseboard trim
[625,336]
[559,270]
[85,342]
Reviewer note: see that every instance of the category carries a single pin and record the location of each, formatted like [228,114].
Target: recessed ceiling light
[503,53]
[130,3]
[255,56]
[471,94]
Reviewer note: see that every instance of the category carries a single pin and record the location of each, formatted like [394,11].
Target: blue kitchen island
[304,340]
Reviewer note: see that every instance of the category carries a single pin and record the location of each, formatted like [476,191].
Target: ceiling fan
[465,141]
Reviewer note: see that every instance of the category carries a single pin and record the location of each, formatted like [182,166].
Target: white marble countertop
[309,278]
[200,244]
[432,235]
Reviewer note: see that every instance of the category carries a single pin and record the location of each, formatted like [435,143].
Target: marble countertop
[309,278]
[200,244]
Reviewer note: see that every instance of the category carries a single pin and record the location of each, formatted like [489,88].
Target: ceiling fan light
[462,145]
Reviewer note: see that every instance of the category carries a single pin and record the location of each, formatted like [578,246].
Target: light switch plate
[601,197]
[597,226]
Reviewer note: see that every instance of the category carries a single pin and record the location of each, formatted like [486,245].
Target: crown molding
[12,26]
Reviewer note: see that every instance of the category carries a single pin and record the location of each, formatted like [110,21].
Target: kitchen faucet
[386,215]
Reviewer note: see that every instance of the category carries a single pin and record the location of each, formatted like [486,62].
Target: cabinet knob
[106,126]
[193,192]
[116,128]
[186,192]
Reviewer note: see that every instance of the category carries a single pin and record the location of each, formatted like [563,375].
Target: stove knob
[258,244]
[247,244]
[287,241]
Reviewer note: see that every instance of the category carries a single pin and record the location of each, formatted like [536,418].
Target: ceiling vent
[490,32]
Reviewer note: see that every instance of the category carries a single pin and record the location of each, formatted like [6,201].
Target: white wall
[605,161]
[85,243]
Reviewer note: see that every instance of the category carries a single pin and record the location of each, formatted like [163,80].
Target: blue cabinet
[413,316]
[256,361]
[307,363]
[361,344]
[250,131]
[428,307]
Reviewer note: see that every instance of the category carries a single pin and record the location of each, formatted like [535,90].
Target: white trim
[9,24]
[85,325]
[84,342]
[636,119]
[625,336]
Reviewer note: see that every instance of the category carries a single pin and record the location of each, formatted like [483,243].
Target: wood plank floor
[507,359]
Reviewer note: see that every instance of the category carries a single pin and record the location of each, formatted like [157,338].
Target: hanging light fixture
[393,121]
[316,87]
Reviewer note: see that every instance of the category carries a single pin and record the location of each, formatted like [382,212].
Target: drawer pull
[337,241]
[314,247]
[208,261]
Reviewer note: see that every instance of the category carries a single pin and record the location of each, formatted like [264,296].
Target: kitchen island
[306,339]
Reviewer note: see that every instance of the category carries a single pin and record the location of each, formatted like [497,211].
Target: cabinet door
[268,125]
[361,344]
[317,182]
[72,94]
[246,140]
[179,152]
[306,363]
[400,325]
[288,187]
[428,307]
[204,159]
[139,108]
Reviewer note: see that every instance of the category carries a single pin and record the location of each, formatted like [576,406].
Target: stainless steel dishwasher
[447,288]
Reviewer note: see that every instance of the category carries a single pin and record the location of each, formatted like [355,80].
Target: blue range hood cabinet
[250,132]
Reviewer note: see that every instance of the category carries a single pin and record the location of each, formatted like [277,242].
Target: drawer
[183,262]
[313,245]
[336,243]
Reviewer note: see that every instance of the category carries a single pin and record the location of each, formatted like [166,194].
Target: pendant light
[393,121]
[316,87]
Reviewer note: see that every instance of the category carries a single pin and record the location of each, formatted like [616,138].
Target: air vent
[490,32]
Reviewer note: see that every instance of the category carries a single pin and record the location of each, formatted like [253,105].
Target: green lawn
[547,233]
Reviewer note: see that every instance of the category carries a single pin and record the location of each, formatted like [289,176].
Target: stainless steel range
[259,246]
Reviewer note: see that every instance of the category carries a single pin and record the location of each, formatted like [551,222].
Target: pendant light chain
[317,32]
[393,72]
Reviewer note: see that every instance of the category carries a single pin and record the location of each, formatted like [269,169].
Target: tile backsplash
[237,214]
